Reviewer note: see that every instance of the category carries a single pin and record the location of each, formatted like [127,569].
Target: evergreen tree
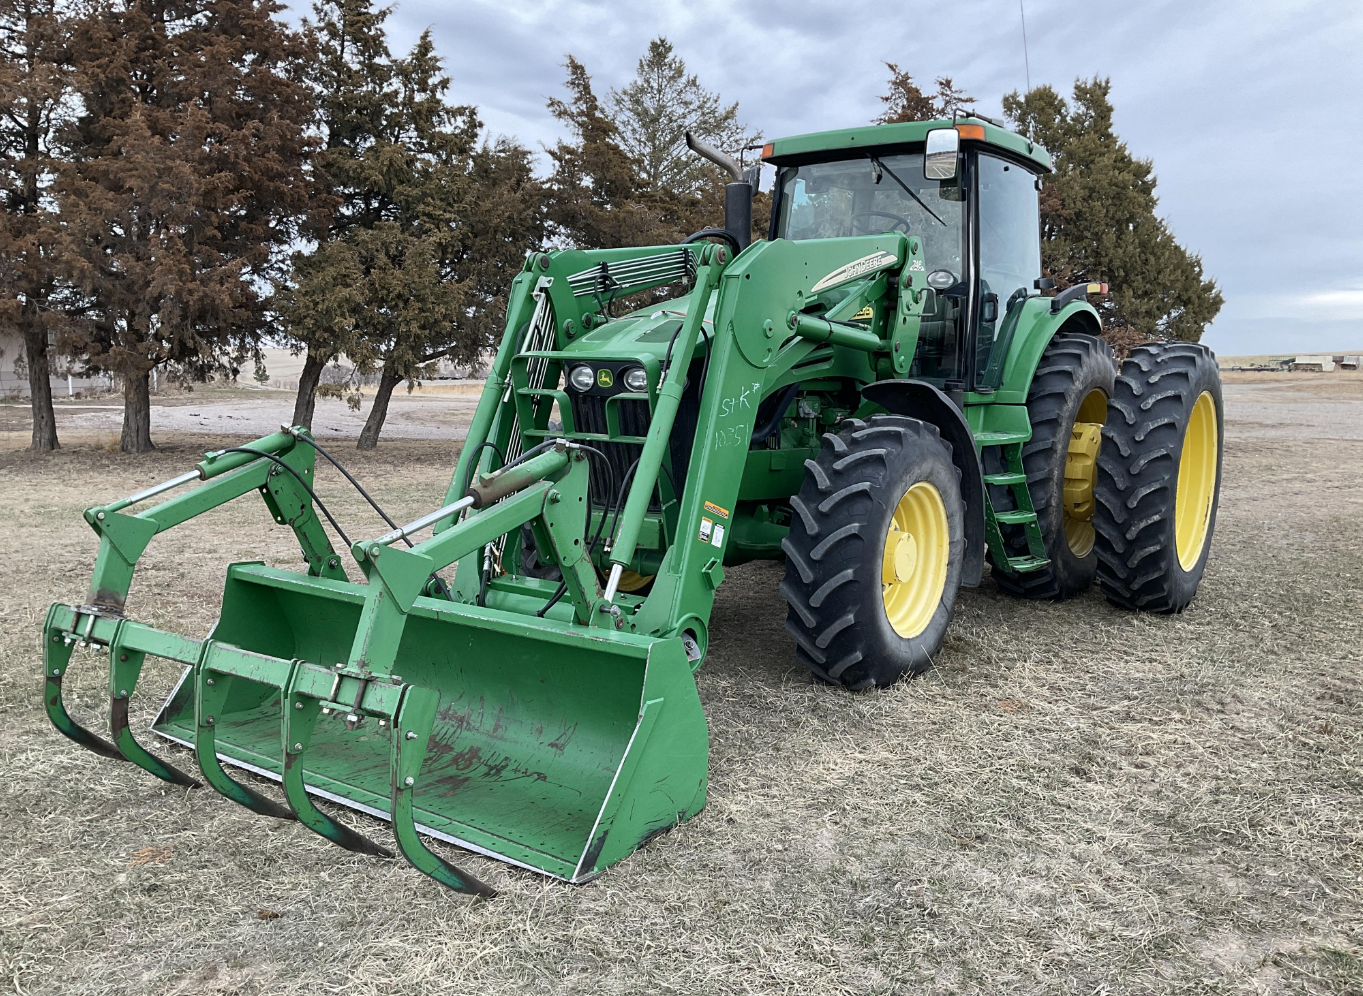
[1098,220]
[35,100]
[594,184]
[424,228]
[353,80]
[184,187]
[655,110]
[604,196]
[905,101]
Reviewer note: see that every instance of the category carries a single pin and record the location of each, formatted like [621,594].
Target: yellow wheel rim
[1196,482]
[1081,472]
[630,581]
[913,572]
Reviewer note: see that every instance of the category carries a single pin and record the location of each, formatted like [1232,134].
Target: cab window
[1010,259]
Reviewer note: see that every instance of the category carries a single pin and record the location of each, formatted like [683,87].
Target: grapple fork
[92,628]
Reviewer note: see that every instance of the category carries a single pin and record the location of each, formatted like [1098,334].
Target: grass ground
[1075,800]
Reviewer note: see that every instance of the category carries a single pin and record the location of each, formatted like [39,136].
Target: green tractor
[878,394]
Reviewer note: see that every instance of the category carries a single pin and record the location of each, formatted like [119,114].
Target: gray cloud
[1248,109]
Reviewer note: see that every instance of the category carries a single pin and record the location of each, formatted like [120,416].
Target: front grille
[589,415]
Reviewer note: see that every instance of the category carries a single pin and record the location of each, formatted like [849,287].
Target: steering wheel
[866,229]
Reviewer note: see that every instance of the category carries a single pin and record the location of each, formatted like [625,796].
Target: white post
[70,391]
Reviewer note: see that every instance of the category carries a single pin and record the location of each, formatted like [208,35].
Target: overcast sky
[1251,111]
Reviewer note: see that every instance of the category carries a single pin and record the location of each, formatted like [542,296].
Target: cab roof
[799,149]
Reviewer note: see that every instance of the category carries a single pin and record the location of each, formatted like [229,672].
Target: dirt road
[1074,800]
[427,415]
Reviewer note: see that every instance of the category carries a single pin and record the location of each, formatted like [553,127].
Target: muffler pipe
[737,194]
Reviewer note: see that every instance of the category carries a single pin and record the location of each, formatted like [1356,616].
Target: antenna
[1026,63]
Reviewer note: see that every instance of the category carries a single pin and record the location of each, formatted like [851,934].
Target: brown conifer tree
[185,185]
[905,101]
[35,89]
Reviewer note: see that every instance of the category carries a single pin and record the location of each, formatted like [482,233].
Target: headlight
[582,378]
[636,380]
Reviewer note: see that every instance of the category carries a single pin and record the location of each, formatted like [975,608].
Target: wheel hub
[913,567]
[901,557]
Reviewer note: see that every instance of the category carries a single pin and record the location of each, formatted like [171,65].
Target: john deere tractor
[878,393]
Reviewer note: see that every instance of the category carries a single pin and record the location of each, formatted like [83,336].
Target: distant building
[14,371]
[1314,364]
[1348,362]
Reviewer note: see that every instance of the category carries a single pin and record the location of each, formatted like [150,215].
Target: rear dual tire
[873,557]
[1159,477]
[1067,406]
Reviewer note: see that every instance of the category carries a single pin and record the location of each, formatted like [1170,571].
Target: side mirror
[989,311]
[942,159]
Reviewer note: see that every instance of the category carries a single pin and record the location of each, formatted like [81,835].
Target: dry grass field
[1075,800]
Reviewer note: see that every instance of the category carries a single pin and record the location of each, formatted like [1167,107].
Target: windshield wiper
[896,179]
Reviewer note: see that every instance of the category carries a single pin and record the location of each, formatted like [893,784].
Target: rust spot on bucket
[467,758]
[563,738]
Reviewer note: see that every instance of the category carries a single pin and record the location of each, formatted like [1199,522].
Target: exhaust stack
[737,194]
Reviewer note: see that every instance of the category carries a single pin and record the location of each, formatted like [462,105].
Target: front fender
[920,400]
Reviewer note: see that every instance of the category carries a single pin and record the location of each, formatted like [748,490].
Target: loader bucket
[553,746]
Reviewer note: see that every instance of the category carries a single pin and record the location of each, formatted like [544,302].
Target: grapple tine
[57,649]
[125,666]
[133,751]
[211,690]
[411,731]
[299,715]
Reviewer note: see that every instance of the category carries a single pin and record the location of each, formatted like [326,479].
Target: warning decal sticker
[714,509]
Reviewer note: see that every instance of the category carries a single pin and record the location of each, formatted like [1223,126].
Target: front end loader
[877,394]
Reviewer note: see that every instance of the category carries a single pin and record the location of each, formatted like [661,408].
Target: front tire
[1159,477]
[873,558]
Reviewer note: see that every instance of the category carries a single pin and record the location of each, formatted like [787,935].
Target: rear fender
[916,399]
[1035,329]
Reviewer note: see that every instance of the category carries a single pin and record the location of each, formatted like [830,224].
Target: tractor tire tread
[830,580]
[1138,566]
[1070,357]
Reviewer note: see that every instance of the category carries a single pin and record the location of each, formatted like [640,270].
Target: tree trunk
[369,436]
[306,402]
[136,414]
[40,391]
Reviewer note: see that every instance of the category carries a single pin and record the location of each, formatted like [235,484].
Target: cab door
[1007,235]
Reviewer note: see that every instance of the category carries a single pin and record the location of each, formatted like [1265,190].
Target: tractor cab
[967,191]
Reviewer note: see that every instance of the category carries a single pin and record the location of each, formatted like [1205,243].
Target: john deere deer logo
[604,378]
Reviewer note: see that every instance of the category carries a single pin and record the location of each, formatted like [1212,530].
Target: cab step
[1023,564]
[1021,514]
